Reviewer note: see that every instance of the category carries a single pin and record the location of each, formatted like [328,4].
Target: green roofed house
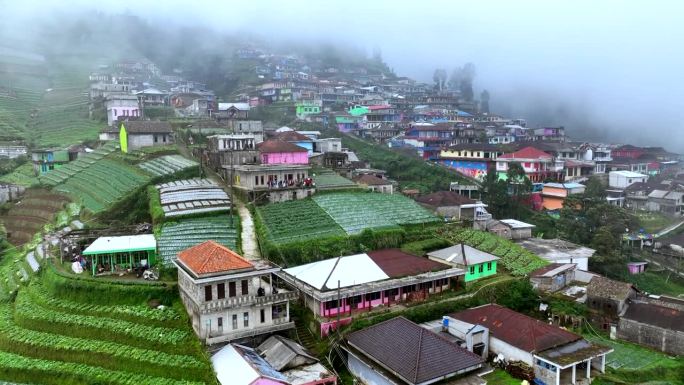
[108,255]
[476,263]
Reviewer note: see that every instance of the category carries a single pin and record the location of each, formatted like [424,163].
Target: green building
[119,254]
[358,110]
[48,159]
[476,263]
[305,109]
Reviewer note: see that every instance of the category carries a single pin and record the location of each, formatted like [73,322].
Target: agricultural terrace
[36,209]
[184,233]
[102,184]
[66,329]
[514,258]
[167,165]
[355,212]
[296,221]
[192,196]
[330,181]
[60,175]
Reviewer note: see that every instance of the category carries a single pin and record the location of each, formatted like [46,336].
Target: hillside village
[323,225]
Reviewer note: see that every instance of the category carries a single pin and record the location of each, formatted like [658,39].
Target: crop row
[110,355]
[514,258]
[178,236]
[33,316]
[167,165]
[141,314]
[18,368]
[297,220]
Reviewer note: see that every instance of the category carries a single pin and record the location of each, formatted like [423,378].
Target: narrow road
[250,248]
[668,229]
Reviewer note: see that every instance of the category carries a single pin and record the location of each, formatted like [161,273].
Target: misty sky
[595,66]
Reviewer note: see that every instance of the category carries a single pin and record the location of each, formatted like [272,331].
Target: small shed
[476,263]
[636,267]
[553,276]
[519,229]
[111,254]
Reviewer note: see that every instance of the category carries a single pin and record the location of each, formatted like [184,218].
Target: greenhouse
[109,255]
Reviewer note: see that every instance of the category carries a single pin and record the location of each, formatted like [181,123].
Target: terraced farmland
[51,340]
[178,236]
[167,165]
[296,221]
[34,210]
[102,184]
[514,258]
[355,212]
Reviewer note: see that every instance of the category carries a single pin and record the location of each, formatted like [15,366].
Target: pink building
[359,283]
[121,107]
[280,152]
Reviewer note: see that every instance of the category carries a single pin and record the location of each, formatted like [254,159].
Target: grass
[501,377]
[22,175]
[631,356]
[652,222]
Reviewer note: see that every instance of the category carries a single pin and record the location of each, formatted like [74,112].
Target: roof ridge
[420,347]
[325,283]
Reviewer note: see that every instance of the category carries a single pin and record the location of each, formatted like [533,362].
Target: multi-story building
[538,165]
[232,150]
[121,107]
[473,160]
[229,297]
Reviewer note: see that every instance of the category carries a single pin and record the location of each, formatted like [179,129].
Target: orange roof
[526,153]
[210,257]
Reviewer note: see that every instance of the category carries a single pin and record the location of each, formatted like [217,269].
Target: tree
[606,245]
[440,78]
[495,193]
[519,296]
[484,102]
[595,189]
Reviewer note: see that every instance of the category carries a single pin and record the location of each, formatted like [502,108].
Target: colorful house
[347,124]
[339,288]
[305,109]
[46,160]
[108,255]
[472,159]
[280,152]
[554,194]
[476,263]
[538,165]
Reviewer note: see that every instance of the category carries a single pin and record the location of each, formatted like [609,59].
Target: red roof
[527,153]
[397,264]
[519,330]
[444,198]
[210,257]
[292,136]
[380,107]
[276,145]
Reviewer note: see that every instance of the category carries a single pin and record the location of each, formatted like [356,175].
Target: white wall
[365,373]
[510,353]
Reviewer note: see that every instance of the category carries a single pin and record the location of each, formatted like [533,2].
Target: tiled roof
[292,136]
[372,180]
[210,257]
[603,287]
[413,353]
[276,145]
[526,153]
[519,330]
[395,263]
[552,269]
[444,198]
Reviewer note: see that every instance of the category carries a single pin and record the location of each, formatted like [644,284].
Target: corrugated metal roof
[350,270]
[454,255]
[121,244]
[518,330]
[411,352]
[664,317]
[397,264]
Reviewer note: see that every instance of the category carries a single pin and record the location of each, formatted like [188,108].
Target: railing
[230,335]
[246,300]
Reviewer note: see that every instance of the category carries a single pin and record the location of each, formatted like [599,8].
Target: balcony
[230,335]
[246,300]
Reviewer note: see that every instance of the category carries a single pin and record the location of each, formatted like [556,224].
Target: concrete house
[366,281]
[272,182]
[666,202]
[232,150]
[373,356]
[136,134]
[476,263]
[296,138]
[454,206]
[553,277]
[559,251]
[275,151]
[607,299]
[655,326]
[229,297]
[121,107]
[375,184]
[624,179]
[519,229]
[558,356]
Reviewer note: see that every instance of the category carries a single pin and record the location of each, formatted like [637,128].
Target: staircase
[304,336]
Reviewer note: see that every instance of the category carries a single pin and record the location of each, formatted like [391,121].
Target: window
[156,139]
[221,291]
[262,315]
[207,293]
[234,321]
[391,292]
[355,300]
[220,322]
[279,311]
[481,268]
[373,296]
[472,269]
[409,289]
[256,180]
[331,305]
[489,266]
[231,289]
[245,319]
[245,287]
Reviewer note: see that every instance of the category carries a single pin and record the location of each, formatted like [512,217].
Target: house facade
[340,288]
[476,263]
[272,182]
[276,151]
[121,107]
[229,297]
[133,135]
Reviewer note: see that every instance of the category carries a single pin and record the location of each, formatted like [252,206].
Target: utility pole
[339,302]
[232,170]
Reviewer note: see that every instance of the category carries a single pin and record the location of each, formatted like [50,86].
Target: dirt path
[250,248]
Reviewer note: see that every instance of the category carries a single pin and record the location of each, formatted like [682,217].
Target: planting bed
[167,165]
[184,233]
